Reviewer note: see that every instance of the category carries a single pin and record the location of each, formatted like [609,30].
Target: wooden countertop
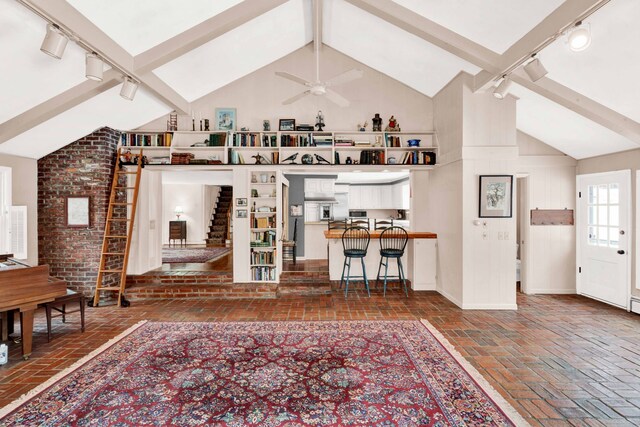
[375,234]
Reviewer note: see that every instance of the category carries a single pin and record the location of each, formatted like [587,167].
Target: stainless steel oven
[357,214]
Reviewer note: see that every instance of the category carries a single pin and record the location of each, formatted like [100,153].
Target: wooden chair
[364,222]
[393,242]
[289,246]
[355,242]
[381,224]
[60,305]
[339,224]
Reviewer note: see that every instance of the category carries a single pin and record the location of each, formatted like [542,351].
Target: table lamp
[178,211]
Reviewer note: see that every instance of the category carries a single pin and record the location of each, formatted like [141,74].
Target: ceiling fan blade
[338,99]
[345,77]
[291,77]
[295,98]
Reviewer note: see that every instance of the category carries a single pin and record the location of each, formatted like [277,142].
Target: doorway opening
[522,232]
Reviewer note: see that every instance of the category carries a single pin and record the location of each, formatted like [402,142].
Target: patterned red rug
[182,255]
[269,374]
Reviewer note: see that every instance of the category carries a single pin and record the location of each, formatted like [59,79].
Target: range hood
[320,197]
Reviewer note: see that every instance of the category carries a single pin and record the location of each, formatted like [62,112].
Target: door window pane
[614,194]
[603,236]
[593,194]
[602,194]
[602,215]
[593,216]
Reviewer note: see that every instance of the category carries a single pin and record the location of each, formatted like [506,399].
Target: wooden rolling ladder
[116,236]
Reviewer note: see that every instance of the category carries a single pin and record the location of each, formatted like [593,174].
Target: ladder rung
[125,188]
[109,288]
[127,173]
[118,219]
[121,204]
[118,237]
[111,271]
[113,253]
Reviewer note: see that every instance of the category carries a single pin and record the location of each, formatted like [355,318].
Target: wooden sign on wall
[552,217]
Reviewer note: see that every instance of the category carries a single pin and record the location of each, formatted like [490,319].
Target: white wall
[550,251]
[24,182]
[146,245]
[241,245]
[191,198]
[613,162]
[259,96]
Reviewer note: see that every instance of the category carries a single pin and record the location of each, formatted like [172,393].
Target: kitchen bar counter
[375,234]
[419,259]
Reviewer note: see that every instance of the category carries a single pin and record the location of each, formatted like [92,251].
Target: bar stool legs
[385,261]
[345,279]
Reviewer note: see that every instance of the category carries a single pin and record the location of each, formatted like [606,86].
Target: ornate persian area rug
[364,373]
[181,255]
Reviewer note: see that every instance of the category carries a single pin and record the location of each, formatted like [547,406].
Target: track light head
[579,37]
[93,67]
[503,88]
[55,41]
[129,88]
[535,70]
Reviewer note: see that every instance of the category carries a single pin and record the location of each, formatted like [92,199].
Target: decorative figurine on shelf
[320,121]
[321,160]
[393,125]
[348,161]
[307,159]
[378,142]
[259,159]
[193,122]
[272,179]
[291,159]
[206,124]
[254,178]
[363,128]
[377,123]
[244,129]
[126,157]
[266,125]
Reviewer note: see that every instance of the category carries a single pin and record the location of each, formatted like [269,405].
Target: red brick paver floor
[559,360]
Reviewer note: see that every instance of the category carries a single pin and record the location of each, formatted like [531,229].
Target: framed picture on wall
[241,213]
[495,198]
[241,201]
[226,118]
[77,211]
[295,210]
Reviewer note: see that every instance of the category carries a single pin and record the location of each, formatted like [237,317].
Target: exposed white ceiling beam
[580,104]
[56,105]
[63,14]
[541,35]
[431,32]
[202,33]
[317,25]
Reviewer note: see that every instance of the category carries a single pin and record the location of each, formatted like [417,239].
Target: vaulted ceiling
[180,52]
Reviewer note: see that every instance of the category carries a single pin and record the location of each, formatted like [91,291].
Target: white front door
[603,236]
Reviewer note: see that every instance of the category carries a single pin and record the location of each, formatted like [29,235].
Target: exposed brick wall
[82,168]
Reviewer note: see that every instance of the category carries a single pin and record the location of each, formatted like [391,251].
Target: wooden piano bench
[60,305]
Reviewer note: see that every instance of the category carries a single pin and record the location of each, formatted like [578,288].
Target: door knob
[621,252]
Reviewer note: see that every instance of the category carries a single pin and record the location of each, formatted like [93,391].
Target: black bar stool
[355,242]
[393,241]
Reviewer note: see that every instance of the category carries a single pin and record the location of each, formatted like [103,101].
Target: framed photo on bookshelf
[77,211]
[495,196]
[287,125]
[226,119]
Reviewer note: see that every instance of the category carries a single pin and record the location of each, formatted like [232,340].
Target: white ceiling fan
[319,87]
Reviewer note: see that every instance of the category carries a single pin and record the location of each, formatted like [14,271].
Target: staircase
[220,218]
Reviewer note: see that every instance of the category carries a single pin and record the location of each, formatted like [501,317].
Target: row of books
[263,257]
[181,158]
[263,238]
[254,140]
[142,140]
[272,158]
[261,274]
[418,158]
[394,141]
[295,141]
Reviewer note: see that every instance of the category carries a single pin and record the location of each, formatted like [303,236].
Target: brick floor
[559,360]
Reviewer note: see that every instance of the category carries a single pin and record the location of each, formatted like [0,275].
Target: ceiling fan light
[54,43]
[93,67]
[502,89]
[535,70]
[129,88]
[579,38]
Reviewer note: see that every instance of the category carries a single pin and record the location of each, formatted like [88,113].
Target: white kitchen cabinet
[311,212]
[327,186]
[422,264]
[319,185]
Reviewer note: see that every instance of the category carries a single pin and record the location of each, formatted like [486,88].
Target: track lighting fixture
[93,67]
[129,88]
[503,88]
[579,37]
[55,41]
[535,70]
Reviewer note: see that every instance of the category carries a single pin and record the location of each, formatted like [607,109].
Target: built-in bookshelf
[263,223]
[415,149]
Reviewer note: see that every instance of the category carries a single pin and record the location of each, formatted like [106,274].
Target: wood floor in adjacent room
[559,360]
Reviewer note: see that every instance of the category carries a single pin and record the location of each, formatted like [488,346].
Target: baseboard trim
[490,306]
[449,297]
[551,292]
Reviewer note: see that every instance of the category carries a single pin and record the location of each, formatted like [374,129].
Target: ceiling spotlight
[503,88]
[93,67]
[579,37]
[535,70]
[54,42]
[129,88]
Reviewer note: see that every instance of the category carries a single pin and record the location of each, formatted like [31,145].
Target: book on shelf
[217,140]
[261,274]
[263,257]
[146,140]
[323,139]
[236,158]
[394,141]
[287,140]
[263,238]
[372,157]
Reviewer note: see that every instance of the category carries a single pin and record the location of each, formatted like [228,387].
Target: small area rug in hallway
[383,373]
[182,255]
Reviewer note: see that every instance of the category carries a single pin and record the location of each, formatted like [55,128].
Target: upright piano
[22,288]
